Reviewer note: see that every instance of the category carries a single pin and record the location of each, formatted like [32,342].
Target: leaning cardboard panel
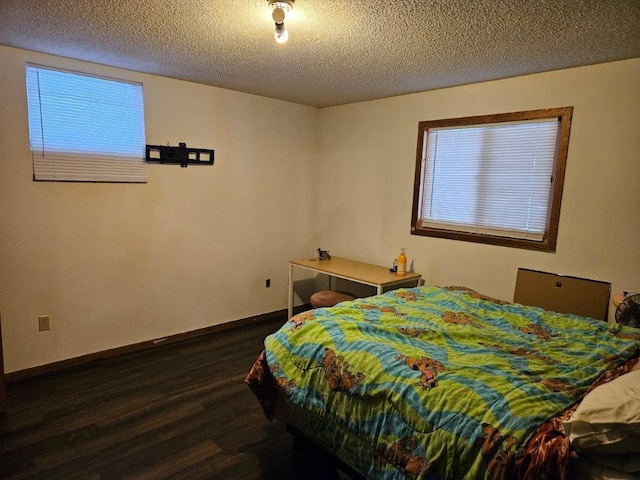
[562,293]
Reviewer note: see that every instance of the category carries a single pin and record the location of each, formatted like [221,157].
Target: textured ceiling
[339,51]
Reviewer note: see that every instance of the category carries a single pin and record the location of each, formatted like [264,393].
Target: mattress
[440,383]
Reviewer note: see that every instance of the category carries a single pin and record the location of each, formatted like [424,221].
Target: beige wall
[119,264]
[116,264]
[368,152]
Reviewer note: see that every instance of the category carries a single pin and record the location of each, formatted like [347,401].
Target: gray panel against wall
[562,293]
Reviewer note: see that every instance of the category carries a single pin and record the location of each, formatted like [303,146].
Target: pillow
[608,419]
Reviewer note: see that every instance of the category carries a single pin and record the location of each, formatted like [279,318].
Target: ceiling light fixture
[279,10]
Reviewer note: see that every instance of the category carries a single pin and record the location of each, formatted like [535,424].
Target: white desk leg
[379,289]
[290,305]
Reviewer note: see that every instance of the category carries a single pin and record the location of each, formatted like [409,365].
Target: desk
[359,272]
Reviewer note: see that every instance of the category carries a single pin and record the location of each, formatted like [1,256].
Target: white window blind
[490,179]
[85,128]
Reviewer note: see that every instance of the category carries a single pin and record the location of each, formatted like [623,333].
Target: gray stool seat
[329,298]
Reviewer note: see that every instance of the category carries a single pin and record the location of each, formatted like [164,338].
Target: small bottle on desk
[402,262]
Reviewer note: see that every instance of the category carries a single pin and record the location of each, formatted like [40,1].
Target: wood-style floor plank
[178,411]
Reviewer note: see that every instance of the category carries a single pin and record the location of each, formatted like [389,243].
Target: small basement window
[493,179]
[85,128]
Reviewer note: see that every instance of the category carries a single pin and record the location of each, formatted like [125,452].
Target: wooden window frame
[548,243]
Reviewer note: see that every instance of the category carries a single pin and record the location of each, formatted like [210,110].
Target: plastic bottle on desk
[402,262]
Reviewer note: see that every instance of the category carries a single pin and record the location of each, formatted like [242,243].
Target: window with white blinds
[493,179]
[85,128]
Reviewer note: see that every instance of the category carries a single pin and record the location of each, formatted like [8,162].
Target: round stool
[329,298]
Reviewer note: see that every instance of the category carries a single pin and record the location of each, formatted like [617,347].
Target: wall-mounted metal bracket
[179,155]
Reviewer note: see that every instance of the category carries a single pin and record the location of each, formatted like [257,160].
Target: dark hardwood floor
[179,411]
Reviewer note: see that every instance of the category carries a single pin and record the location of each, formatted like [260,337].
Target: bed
[443,383]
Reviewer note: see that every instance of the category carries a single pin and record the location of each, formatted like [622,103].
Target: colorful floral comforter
[437,383]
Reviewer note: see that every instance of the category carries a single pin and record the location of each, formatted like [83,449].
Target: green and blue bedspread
[439,383]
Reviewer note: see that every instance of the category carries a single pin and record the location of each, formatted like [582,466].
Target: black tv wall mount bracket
[180,155]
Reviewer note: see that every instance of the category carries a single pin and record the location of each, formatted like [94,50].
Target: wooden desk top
[356,271]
